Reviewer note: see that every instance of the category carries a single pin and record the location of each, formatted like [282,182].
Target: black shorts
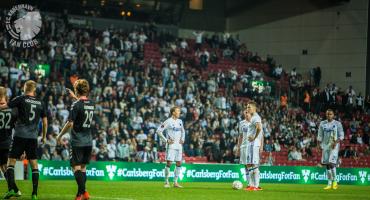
[4,153]
[80,155]
[21,145]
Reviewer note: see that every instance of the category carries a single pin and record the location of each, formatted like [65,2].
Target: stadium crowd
[133,95]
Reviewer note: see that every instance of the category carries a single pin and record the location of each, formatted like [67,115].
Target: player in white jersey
[243,144]
[174,140]
[254,135]
[329,135]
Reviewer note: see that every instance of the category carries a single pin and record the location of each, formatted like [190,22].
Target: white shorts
[174,155]
[253,155]
[329,155]
[243,155]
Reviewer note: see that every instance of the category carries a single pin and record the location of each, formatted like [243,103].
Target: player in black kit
[79,120]
[30,110]
[7,119]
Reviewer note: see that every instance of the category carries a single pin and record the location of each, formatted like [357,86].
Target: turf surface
[193,191]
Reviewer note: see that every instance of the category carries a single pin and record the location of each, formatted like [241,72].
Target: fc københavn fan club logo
[23,23]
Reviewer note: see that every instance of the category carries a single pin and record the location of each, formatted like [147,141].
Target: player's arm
[258,131]
[71,94]
[160,131]
[44,128]
[240,138]
[340,132]
[71,118]
[319,134]
[182,134]
[64,130]
[44,123]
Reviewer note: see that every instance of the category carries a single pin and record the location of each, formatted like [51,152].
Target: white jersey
[330,132]
[243,130]
[252,130]
[175,131]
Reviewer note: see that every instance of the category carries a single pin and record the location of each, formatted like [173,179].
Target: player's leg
[35,178]
[178,159]
[170,157]
[31,153]
[250,167]
[86,161]
[3,162]
[76,162]
[325,162]
[256,170]
[333,160]
[243,161]
[16,150]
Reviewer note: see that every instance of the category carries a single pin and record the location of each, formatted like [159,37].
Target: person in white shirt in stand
[174,140]
[198,39]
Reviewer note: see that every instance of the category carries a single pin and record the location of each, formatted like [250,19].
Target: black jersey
[82,113]
[7,120]
[30,110]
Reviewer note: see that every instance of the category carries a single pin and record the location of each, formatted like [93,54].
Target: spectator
[123,151]
[198,39]
[112,149]
[268,146]
[55,156]
[295,155]
[45,154]
[145,156]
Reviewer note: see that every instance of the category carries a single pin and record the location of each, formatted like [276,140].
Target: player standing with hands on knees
[30,110]
[174,140]
[79,120]
[329,135]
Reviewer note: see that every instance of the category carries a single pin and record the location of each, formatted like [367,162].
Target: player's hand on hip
[59,139]
[250,138]
[43,140]
[181,142]
[333,145]
[170,141]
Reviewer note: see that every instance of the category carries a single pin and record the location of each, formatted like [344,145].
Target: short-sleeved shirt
[243,130]
[30,110]
[175,131]
[82,114]
[330,132]
[7,121]
[252,130]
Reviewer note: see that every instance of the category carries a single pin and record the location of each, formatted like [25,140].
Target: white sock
[177,173]
[328,171]
[256,177]
[166,173]
[247,176]
[251,178]
[334,174]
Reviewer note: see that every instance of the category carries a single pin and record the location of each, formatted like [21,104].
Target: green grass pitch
[193,191]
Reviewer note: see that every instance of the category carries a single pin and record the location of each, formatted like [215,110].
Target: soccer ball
[237,185]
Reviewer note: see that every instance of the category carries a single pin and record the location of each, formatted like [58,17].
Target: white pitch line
[91,197]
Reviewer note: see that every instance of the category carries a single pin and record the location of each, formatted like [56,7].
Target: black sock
[11,179]
[6,178]
[35,181]
[80,181]
[84,180]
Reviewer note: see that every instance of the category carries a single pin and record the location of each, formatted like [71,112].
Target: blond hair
[3,93]
[29,86]
[81,87]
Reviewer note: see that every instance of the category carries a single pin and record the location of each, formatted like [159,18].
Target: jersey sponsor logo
[89,107]
[176,129]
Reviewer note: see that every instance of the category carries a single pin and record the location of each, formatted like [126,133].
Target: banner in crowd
[128,171]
